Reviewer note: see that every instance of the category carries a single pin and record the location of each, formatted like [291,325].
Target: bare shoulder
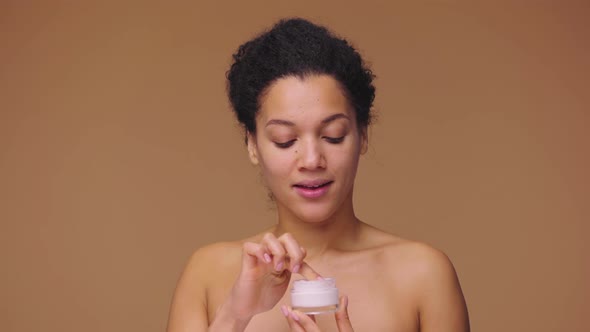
[421,260]
[413,259]
[430,278]
[202,271]
[207,263]
[212,257]
[203,265]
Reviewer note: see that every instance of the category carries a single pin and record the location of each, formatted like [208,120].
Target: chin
[314,215]
[313,212]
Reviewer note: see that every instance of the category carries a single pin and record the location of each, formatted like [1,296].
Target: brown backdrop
[119,155]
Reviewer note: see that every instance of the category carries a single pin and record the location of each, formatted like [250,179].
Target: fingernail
[267,258]
[284,310]
[320,278]
[296,268]
[279,266]
[294,316]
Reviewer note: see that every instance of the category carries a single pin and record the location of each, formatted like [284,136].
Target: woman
[304,98]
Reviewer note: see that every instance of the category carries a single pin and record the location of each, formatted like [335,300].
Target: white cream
[315,296]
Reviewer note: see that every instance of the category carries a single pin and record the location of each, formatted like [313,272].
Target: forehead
[303,98]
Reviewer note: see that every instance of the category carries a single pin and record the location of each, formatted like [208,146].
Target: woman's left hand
[300,322]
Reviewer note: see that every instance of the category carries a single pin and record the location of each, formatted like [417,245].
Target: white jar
[315,296]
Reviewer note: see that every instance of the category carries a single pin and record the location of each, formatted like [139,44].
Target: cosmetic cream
[315,297]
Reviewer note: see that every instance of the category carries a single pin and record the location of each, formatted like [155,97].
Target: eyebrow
[291,124]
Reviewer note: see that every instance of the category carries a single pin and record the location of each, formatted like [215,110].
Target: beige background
[119,155]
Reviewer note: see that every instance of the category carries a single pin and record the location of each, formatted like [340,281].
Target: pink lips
[312,189]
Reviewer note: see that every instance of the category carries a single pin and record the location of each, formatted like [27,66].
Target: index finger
[308,273]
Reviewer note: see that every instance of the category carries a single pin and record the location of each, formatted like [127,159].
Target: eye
[334,140]
[285,144]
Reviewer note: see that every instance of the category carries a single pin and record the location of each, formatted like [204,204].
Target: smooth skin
[307,131]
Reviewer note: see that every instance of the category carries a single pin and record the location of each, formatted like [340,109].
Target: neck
[337,232]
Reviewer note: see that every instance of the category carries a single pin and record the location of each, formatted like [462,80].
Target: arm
[188,311]
[442,305]
[266,269]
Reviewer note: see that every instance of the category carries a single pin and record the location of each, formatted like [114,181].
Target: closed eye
[284,145]
[334,140]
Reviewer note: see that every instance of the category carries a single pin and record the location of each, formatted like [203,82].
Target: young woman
[304,98]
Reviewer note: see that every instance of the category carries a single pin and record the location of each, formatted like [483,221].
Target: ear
[252,148]
[364,136]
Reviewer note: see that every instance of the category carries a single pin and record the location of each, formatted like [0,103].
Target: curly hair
[297,47]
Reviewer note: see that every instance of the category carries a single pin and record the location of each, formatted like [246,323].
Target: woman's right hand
[266,271]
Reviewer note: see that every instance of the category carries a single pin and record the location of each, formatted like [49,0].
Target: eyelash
[285,145]
[334,140]
[331,140]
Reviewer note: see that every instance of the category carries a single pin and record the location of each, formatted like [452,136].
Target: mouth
[315,189]
[313,186]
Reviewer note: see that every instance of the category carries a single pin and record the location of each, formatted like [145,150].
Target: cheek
[348,164]
[348,153]
[345,164]
[276,166]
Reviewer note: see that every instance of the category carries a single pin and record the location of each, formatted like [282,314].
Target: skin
[306,130]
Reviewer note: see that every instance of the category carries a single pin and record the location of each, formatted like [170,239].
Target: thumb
[342,318]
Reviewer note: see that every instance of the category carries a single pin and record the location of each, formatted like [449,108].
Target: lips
[312,183]
[312,189]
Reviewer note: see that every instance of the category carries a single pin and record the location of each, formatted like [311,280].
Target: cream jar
[315,297]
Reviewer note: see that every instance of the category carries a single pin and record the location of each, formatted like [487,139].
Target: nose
[311,156]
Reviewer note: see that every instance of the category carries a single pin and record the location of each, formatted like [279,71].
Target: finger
[342,318]
[304,251]
[294,251]
[277,250]
[293,325]
[308,273]
[254,252]
[307,322]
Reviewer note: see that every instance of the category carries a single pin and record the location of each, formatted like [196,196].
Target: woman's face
[307,146]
